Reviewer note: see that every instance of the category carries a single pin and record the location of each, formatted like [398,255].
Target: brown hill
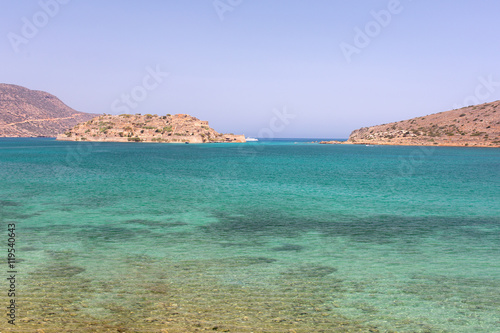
[477,125]
[33,113]
[148,128]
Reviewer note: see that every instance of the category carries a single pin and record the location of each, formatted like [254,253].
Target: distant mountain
[33,113]
[477,125]
[175,128]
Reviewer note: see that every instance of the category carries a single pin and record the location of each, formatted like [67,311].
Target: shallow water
[256,237]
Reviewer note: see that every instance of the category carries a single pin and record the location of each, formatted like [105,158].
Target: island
[177,128]
[332,142]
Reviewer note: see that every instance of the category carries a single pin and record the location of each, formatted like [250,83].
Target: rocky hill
[477,126]
[147,128]
[33,113]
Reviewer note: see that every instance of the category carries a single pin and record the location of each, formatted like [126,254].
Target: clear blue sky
[236,62]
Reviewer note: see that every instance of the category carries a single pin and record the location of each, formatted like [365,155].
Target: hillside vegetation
[33,113]
[147,128]
[477,126]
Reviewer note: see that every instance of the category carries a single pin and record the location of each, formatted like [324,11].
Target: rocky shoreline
[473,126]
[178,128]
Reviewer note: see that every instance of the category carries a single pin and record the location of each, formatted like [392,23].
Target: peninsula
[32,113]
[178,128]
[473,126]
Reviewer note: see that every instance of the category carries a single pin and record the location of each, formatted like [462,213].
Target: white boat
[251,139]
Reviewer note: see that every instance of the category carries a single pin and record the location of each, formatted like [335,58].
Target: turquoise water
[258,237]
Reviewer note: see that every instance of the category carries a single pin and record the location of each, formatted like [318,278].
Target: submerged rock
[288,247]
[311,271]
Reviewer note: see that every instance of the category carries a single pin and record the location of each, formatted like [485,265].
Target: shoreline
[434,144]
[323,142]
[421,144]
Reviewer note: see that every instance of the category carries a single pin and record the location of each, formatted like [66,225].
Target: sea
[271,236]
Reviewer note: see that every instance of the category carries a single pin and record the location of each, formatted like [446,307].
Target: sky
[280,68]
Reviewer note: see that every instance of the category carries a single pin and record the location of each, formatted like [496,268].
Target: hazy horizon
[315,70]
